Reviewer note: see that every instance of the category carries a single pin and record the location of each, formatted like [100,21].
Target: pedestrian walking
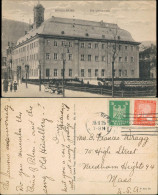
[15,86]
[5,85]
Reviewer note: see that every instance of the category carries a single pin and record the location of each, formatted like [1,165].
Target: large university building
[87,49]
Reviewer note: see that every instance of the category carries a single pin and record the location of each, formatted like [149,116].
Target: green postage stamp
[119,113]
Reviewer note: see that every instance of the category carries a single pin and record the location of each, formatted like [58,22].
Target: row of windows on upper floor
[89,45]
[68,44]
[26,48]
[83,58]
[96,73]
[26,58]
[35,57]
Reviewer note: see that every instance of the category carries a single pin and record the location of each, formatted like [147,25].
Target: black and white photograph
[78,48]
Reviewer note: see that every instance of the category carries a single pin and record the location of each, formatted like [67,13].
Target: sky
[138,17]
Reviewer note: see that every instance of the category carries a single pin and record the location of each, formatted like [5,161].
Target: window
[82,45]
[132,72]
[70,57]
[55,43]
[47,56]
[103,46]
[34,56]
[27,47]
[132,59]
[89,57]
[55,56]
[89,72]
[96,72]
[120,59]
[131,48]
[119,47]
[47,72]
[125,72]
[120,73]
[89,45]
[34,44]
[82,57]
[126,59]
[70,72]
[96,45]
[70,44]
[96,58]
[103,58]
[102,72]
[126,47]
[55,72]
[27,58]
[63,43]
[82,72]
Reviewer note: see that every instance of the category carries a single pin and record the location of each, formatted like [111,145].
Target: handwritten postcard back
[60,146]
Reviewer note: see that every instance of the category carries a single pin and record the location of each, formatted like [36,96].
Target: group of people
[11,85]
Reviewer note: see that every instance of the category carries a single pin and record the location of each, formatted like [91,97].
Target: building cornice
[88,39]
[75,38]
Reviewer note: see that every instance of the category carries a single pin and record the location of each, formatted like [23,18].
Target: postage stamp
[145,112]
[119,113]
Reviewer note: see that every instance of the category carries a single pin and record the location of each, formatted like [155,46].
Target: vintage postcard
[79,48]
[84,146]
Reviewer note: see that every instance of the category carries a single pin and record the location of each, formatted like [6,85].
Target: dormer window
[62,32]
[87,34]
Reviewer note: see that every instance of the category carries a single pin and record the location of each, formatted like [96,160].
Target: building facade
[86,48]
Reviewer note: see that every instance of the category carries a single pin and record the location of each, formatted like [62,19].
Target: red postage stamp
[145,112]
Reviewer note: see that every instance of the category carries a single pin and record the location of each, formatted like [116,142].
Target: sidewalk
[33,91]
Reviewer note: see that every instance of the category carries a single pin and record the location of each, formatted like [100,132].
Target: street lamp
[64,63]
[112,78]
[63,77]
[39,67]
[11,70]
[26,69]
[18,73]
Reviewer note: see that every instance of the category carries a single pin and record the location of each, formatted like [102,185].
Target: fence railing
[102,90]
[117,93]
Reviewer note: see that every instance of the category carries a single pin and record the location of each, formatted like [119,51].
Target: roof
[78,28]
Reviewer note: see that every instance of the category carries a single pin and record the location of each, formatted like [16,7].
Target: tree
[114,51]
